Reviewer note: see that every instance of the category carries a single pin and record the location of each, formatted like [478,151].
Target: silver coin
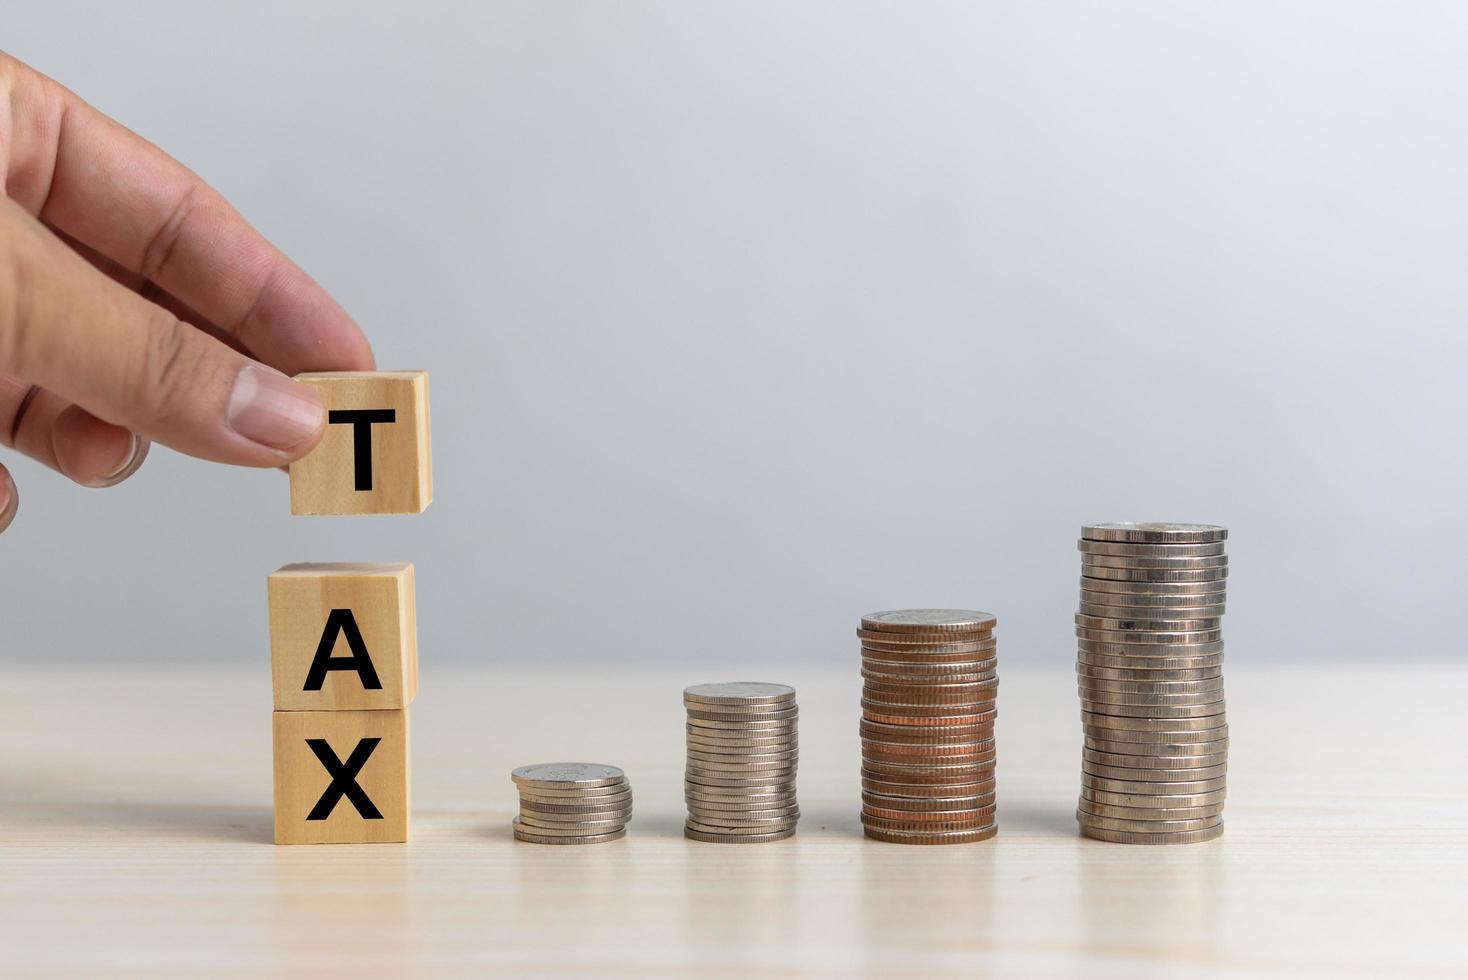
[529,838]
[1171,726]
[609,800]
[1153,532]
[741,748]
[1153,775]
[734,828]
[1150,686]
[1122,549]
[590,793]
[1159,738]
[737,838]
[737,818]
[1150,614]
[928,620]
[1143,787]
[1174,763]
[744,712]
[739,693]
[1147,826]
[1149,675]
[769,778]
[717,725]
[1157,750]
[1150,627]
[1099,597]
[1141,638]
[1178,801]
[565,828]
[1157,699]
[1154,658]
[1161,589]
[559,775]
[1215,574]
[563,817]
[1207,562]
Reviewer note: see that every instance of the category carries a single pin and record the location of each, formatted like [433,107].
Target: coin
[1125,837]
[737,838]
[566,828]
[1145,550]
[739,693]
[1146,826]
[929,837]
[1148,812]
[1131,574]
[606,800]
[1158,800]
[1145,787]
[928,621]
[1169,600]
[1125,761]
[1122,587]
[1153,532]
[1120,625]
[1153,674]
[1152,775]
[1089,561]
[557,775]
[532,838]
[1159,686]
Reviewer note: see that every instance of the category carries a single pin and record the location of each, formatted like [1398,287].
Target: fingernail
[9,500]
[271,409]
[136,454]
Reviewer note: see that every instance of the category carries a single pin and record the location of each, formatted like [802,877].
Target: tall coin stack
[927,728]
[1150,673]
[572,803]
[742,757]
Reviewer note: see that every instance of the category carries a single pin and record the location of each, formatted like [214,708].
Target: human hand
[137,305]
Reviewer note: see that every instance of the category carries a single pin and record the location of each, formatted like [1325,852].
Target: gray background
[744,319]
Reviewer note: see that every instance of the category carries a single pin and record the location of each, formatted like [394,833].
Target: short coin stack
[742,756]
[1150,671]
[572,803]
[927,728]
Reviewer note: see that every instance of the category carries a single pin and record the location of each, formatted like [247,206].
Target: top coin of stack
[1150,673]
[742,758]
[927,728]
[572,803]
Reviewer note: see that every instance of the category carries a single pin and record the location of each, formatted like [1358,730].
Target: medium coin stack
[1150,673]
[927,728]
[742,756]
[572,803]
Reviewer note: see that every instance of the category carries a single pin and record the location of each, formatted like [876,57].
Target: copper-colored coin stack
[927,727]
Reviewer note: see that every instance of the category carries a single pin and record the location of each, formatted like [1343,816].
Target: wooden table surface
[135,833]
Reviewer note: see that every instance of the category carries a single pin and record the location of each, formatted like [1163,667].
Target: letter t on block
[375,457]
[343,636]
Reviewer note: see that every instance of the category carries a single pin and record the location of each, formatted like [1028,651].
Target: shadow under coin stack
[742,757]
[572,803]
[1150,671]
[927,728]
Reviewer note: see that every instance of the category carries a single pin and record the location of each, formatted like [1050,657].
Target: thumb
[72,330]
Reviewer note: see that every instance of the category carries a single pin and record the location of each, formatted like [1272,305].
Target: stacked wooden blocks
[343,636]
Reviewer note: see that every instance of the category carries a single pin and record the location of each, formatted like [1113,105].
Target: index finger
[124,197]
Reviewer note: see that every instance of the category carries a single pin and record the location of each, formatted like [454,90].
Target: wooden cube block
[341,777]
[375,457]
[343,636]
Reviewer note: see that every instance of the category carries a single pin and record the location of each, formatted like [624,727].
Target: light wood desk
[135,824]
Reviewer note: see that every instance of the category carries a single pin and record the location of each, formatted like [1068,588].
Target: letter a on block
[343,636]
[341,777]
[375,457]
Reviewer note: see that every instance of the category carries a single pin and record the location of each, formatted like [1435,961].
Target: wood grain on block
[375,457]
[343,636]
[341,777]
